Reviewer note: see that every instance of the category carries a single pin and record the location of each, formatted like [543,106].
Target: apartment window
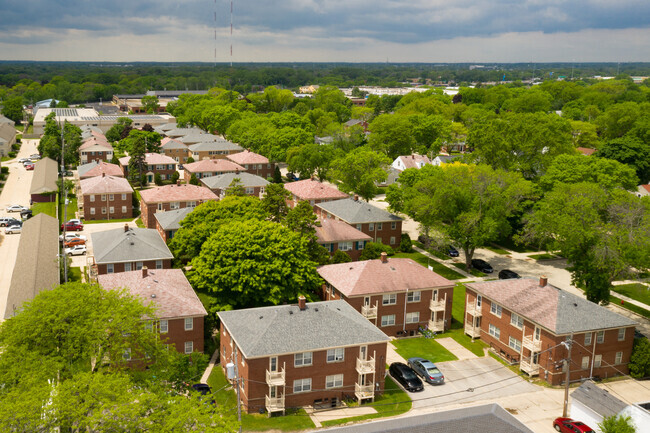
[359,226]
[159,264]
[479,300]
[111,210]
[174,205]
[380,226]
[160,167]
[191,204]
[103,211]
[92,211]
[103,197]
[127,267]
[250,191]
[495,309]
[392,240]
[600,337]
[160,206]
[587,338]
[92,197]
[334,381]
[388,320]
[109,268]
[585,363]
[302,359]
[516,320]
[189,346]
[302,385]
[414,296]
[127,354]
[111,197]
[390,299]
[335,355]
[413,317]
[371,227]
[138,266]
[261,191]
[345,246]
[514,344]
[393,225]
[123,209]
[619,358]
[598,359]
[123,196]
[189,323]
[361,245]
[494,331]
[164,326]
[621,334]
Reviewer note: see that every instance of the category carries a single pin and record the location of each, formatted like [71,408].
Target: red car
[567,425]
[72,242]
[72,226]
[29,167]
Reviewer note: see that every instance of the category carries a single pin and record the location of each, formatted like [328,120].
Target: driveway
[82,261]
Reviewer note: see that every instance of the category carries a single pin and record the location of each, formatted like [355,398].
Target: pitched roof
[179,132]
[214,146]
[46,173]
[4,119]
[414,160]
[559,311]
[248,157]
[170,143]
[287,329]
[171,220]
[182,192]
[597,399]
[331,230]
[375,276]
[224,180]
[357,211]
[198,137]
[105,185]
[212,165]
[353,122]
[586,150]
[94,142]
[132,245]
[37,266]
[167,289]
[94,168]
[446,159]
[312,189]
[488,418]
[151,159]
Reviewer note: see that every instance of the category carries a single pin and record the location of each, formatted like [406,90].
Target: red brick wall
[179,155]
[385,233]
[116,203]
[119,267]
[43,198]
[354,254]
[97,156]
[177,335]
[266,170]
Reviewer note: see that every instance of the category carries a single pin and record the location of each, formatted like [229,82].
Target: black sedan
[482,266]
[452,252]
[507,274]
[406,376]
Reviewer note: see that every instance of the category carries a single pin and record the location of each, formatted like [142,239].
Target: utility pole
[237,379]
[65,206]
[567,363]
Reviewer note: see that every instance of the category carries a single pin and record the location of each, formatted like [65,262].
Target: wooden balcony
[363,392]
[437,305]
[275,378]
[436,326]
[369,312]
[473,310]
[529,368]
[365,366]
[531,344]
[275,404]
[474,332]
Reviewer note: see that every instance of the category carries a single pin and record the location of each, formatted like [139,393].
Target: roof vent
[261,317]
[290,312]
[575,304]
[153,295]
[316,309]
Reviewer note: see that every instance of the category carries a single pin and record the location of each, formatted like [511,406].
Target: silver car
[13,229]
[427,370]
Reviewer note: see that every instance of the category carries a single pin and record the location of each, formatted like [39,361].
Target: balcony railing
[365,366]
[369,312]
[436,325]
[474,332]
[532,344]
[275,404]
[275,378]
[437,305]
[363,392]
[529,368]
[473,309]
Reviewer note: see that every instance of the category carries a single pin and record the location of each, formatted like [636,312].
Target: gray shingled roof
[214,145]
[224,180]
[37,266]
[286,329]
[597,399]
[171,220]
[134,244]
[489,418]
[357,211]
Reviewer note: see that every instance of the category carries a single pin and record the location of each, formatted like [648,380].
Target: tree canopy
[361,171]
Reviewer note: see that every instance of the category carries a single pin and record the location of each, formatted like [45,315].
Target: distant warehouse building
[90,117]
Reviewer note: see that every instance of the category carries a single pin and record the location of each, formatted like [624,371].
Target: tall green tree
[640,358]
[579,168]
[361,171]
[631,151]
[275,202]
[302,219]
[392,135]
[311,158]
[12,108]
[150,104]
[115,132]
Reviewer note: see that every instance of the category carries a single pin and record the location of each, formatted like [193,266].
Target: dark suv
[507,274]
[406,376]
[482,266]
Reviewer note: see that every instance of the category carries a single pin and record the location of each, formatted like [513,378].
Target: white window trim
[415,296]
[600,337]
[189,321]
[334,381]
[163,326]
[621,337]
[598,361]
[414,317]
[191,347]
[389,299]
[304,385]
[619,358]
[336,355]
[390,320]
[494,331]
[588,337]
[495,309]
[516,320]
[299,359]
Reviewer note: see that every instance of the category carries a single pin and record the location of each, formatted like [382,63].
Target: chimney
[384,257]
[302,303]
[103,174]
[126,228]
[356,197]
[313,178]
[543,281]
[144,272]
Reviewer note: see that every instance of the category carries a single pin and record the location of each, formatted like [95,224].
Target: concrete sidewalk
[455,348]
[318,417]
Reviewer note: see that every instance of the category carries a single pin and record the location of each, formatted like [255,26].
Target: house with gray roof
[444,159]
[7,135]
[37,262]
[128,249]
[314,353]
[44,187]
[168,223]
[529,321]
[336,235]
[253,185]
[219,149]
[382,226]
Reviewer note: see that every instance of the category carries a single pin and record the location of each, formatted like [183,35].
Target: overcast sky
[326,30]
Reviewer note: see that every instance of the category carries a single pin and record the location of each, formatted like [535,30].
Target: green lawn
[636,291]
[459,336]
[458,305]
[544,256]
[48,208]
[424,348]
[394,401]
[642,311]
[438,268]
[225,396]
[497,250]
[472,271]
[71,209]
[139,223]
[510,244]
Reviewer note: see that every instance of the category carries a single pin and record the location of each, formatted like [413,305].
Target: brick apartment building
[253,163]
[317,353]
[313,191]
[528,321]
[93,169]
[155,164]
[336,235]
[174,149]
[180,313]
[168,223]
[170,197]
[95,149]
[253,185]
[397,295]
[209,168]
[106,197]
[382,226]
[219,149]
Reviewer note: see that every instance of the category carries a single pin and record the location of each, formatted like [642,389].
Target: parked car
[406,376]
[74,220]
[73,242]
[26,214]
[204,389]
[71,226]
[427,370]
[13,229]
[452,252]
[29,166]
[77,250]
[71,236]
[24,160]
[292,177]
[507,274]
[16,208]
[35,155]
[482,266]
[8,221]
[568,425]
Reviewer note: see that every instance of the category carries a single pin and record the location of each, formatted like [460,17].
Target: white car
[74,221]
[16,208]
[13,229]
[77,250]
[71,236]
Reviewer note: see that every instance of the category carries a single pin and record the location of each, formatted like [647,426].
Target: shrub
[340,257]
[405,245]
[373,250]
[4,170]
[157,179]
[640,359]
